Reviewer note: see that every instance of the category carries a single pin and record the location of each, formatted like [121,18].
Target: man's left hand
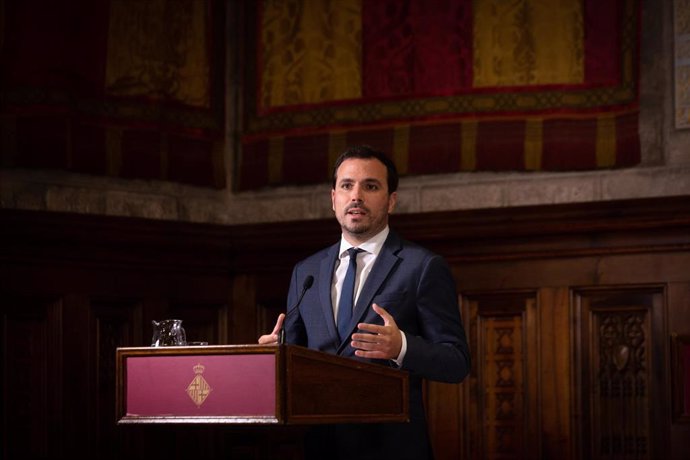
[378,342]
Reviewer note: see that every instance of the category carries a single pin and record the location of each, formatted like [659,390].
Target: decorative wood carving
[498,332]
[620,375]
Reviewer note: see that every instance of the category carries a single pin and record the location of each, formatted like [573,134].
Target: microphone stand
[308,281]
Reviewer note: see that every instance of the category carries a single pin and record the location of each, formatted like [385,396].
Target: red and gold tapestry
[442,85]
[124,88]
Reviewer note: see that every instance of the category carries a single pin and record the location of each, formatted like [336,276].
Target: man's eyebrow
[368,180]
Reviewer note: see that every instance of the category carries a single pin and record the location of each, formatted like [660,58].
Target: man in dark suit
[403,309]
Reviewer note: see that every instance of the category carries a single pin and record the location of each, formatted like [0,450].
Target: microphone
[308,281]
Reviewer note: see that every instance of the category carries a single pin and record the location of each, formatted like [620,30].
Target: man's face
[360,198]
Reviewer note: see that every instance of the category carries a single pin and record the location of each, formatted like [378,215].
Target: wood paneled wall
[569,311]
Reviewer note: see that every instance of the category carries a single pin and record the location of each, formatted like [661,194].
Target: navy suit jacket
[416,287]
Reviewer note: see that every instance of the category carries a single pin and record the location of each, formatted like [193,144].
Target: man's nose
[356,193]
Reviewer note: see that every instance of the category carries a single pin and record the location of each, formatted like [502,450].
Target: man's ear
[333,199]
[392,201]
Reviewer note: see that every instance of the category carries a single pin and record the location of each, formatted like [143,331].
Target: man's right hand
[272,338]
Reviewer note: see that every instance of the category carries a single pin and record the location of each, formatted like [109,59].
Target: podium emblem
[199,388]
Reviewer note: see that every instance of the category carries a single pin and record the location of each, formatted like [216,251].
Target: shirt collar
[373,245]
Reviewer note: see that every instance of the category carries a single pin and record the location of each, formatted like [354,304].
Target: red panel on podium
[201,385]
[254,384]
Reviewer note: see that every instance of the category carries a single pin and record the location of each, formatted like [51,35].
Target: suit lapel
[385,262]
[326,277]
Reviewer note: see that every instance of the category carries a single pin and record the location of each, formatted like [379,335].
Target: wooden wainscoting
[568,310]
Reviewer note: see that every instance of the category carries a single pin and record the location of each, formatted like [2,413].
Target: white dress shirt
[365,262]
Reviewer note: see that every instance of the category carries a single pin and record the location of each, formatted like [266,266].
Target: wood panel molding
[502,330]
[568,310]
[622,391]
[570,230]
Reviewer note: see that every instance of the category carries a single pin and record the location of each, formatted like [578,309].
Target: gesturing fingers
[375,346]
[272,338]
[375,341]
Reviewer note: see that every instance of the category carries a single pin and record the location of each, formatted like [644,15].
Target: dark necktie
[347,294]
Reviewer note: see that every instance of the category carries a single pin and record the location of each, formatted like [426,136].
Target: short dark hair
[365,152]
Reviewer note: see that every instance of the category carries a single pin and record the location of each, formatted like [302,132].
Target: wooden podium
[254,385]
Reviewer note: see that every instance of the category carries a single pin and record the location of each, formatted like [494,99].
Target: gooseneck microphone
[308,281]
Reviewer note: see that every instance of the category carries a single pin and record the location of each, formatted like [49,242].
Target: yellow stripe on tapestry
[606,141]
[534,144]
[401,147]
[468,147]
[311,52]
[275,160]
[141,61]
[528,42]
